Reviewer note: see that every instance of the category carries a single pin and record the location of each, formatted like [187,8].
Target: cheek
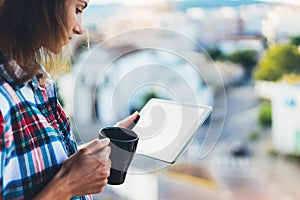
[71,21]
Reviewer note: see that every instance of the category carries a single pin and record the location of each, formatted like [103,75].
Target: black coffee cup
[123,143]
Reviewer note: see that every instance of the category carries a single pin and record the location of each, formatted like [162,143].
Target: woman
[39,158]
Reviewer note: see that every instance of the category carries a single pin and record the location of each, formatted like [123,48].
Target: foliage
[254,135]
[291,78]
[272,152]
[295,40]
[294,157]
[277,61]
[265,114]
[215,53]
[247,58]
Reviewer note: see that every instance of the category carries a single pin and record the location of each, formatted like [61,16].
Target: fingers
[129,122]
[99,150]
[103,155]
[106,172]
[134,116]
[100,186]
[97,145]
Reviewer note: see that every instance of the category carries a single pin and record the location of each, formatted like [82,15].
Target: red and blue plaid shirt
[35,136]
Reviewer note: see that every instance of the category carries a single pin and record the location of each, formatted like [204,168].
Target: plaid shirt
[35,136]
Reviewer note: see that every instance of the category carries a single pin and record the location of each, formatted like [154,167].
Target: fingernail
[136,112]
[136,119]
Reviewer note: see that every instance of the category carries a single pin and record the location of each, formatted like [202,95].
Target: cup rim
[122,129]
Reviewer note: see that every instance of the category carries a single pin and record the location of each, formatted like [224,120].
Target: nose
[77,29]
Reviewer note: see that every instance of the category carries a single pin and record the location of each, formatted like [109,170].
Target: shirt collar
[18,73]
[37,79]
[11,77]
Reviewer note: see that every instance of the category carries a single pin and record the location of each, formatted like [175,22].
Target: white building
[285,118]
[285,100]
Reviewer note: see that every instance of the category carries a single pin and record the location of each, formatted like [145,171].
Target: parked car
[240,149]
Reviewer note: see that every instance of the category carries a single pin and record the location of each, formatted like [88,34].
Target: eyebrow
[84,2]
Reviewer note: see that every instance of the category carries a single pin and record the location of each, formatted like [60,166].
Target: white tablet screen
[165,127]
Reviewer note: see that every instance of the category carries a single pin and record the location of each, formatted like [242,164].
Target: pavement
[259,177]
[279,170]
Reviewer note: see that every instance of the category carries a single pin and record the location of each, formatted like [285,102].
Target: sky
[293,2]
[141,2]
[126,2]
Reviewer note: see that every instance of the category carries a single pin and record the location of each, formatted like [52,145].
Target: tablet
[165,128]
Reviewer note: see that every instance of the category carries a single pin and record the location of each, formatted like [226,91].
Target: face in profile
[74,9]
[74,14]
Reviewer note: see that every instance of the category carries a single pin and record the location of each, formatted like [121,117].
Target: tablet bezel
[173,156]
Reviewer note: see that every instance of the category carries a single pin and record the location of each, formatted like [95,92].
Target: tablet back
[166,127]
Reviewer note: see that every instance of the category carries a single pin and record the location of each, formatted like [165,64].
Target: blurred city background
[242,57]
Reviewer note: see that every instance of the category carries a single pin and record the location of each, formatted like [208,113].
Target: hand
[86,172]
[129,122]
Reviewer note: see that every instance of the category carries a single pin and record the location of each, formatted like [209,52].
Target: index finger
[129,121]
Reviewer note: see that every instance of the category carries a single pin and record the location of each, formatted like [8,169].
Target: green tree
[265,114]
[215,53]
[295,40]
[246,58]
[277,61]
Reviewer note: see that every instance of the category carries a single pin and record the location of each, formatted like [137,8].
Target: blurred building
[285,100]
[285,118]
[109,91]
[109,24]
[229,28]
[280,23]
